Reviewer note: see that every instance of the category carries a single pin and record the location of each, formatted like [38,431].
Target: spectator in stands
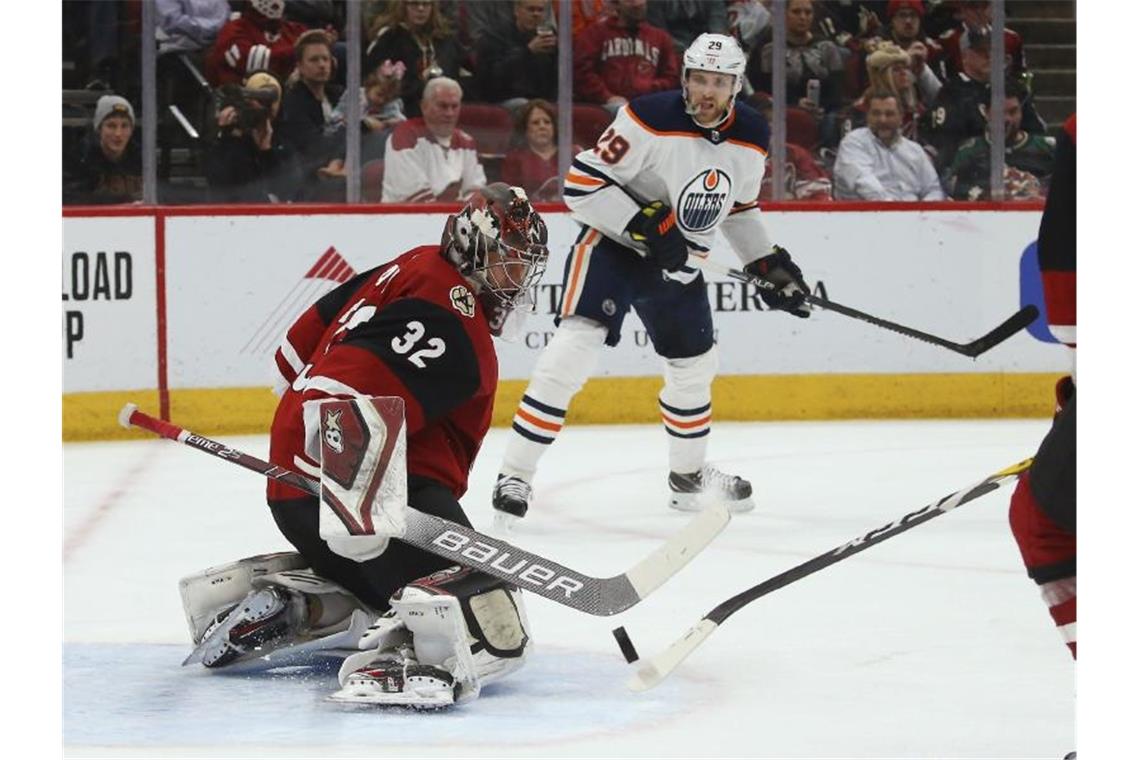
[1028,160]
[309,126]
[685,20]
[258,39]
[748,21]
[381,108]
[623,56]
[483,16]
[415,33]
[814,69]
[972,15]
[428,158]
[187,26]
[876,163]
[533,163]
[889,70]
[959,112]
[327,16]
[108,168]
[248,162]
[904,29]
[519,61]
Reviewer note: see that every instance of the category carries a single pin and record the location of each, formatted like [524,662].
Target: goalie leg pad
[211,591]
[459,622]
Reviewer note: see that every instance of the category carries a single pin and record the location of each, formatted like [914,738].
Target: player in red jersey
[1043,509]
[419,327]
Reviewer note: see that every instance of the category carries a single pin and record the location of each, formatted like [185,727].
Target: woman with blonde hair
[415,33]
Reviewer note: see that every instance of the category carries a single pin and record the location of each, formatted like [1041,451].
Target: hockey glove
[656,227]
[790,291]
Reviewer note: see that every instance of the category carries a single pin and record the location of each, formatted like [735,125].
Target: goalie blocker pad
[364,474]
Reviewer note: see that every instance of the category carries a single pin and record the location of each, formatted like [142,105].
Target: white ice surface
[934,644]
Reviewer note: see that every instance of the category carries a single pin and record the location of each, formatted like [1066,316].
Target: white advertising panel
[109,314]
[236,283]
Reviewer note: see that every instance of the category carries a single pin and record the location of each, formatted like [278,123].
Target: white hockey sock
[686,409]
[560,372]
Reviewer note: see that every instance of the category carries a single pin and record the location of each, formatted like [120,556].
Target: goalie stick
[658,668]
[531,572]
[973,349]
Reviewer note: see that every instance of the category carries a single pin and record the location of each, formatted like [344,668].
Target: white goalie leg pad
[210,591]
[446,637]
[283,619]
[686,409]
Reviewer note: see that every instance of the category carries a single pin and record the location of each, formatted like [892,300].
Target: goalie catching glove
[655,226]
[790,289]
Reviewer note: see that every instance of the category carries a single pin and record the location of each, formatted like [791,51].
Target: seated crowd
[885,100]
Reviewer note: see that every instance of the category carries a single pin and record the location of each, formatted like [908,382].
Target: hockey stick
[657,668]
[973,349]
[531,572]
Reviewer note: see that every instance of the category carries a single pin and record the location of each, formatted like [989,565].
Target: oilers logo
[703,199]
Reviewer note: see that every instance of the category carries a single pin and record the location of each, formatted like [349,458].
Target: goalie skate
[689,492]
[400,681]
[264,618]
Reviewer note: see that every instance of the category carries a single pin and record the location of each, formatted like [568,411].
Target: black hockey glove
[779,269]
[656,227]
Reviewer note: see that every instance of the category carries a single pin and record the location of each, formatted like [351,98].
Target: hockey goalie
[389,382]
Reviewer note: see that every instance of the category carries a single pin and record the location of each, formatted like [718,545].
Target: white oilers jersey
[654,150]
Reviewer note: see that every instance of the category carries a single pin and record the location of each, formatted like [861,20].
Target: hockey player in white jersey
[671,169]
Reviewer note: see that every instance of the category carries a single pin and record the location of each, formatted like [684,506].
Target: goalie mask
[719,54]
[498,241]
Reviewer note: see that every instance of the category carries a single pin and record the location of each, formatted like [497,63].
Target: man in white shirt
[876,163]
[428,158]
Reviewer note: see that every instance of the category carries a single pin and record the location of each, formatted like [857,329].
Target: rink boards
[180,310]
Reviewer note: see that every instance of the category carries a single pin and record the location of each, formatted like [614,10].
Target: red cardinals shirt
[411,328]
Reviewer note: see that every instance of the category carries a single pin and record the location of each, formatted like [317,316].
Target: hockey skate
[688,491]
[510,500]
[264,618]
[397,679]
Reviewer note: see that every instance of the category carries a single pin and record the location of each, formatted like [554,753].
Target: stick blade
[656,669]
[1002,332]
[679,550]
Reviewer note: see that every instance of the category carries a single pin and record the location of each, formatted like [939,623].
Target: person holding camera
[248,162]
[518,62]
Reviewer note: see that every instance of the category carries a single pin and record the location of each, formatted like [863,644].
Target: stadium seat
[489,124]
[372,180]
[589,122]
[802,129]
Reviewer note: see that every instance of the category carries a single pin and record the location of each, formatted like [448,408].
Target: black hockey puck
[625,644]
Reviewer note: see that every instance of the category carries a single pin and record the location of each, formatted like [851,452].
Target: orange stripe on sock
[553,427]
[685,425]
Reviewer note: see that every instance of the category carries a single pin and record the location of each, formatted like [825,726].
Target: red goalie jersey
[411,328]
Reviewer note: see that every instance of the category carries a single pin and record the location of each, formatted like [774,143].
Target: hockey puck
[625,644]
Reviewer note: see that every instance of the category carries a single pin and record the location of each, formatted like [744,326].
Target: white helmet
[274,9]
[714,52]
